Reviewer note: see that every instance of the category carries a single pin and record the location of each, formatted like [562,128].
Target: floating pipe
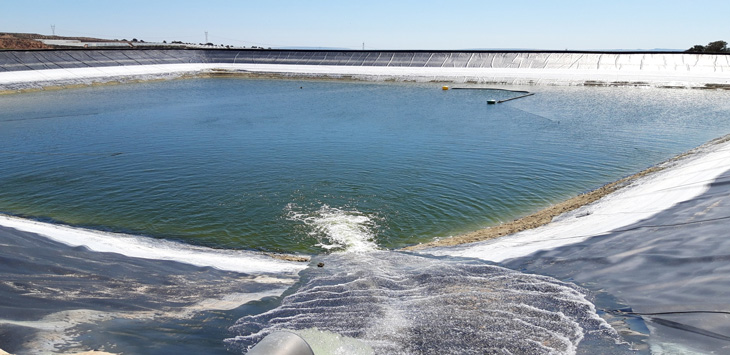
[515,98]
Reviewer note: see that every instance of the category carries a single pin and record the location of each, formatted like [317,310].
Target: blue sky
[528,24]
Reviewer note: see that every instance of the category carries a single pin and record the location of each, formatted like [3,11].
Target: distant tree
[696,49]
[712,47]
[716,47]
[165,42]
[134,40]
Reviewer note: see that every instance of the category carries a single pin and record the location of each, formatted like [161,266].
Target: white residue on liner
[155,249]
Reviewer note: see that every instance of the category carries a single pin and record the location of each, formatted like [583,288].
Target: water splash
[399,303]
[338,229]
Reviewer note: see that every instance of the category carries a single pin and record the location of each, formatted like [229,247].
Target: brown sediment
[716,86]
[537,219]
[289,257]
[242,73]
[226,73]
[546,215]
[212,73]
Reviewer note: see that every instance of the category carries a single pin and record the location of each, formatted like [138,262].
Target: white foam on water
[338,229]
[229,301]
[155,249]
[58,330]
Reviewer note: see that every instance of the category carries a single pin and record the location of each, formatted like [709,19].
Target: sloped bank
[24,70]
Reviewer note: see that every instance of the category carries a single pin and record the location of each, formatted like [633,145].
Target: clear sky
[384,24]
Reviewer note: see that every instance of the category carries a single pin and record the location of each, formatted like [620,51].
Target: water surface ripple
[218,162]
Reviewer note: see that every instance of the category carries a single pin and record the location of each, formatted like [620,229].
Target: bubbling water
[397,303]
[338,229]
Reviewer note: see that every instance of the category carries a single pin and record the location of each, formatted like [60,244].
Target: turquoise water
[310,166]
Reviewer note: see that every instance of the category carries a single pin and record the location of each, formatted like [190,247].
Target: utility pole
[206,36]
[363,45]
[53,29]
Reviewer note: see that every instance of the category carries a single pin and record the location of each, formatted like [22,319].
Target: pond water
[311,166]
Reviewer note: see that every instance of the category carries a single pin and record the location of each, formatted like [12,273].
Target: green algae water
[313,166]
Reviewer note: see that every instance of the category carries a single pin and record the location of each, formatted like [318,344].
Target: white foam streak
[680,181]
[149,248]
